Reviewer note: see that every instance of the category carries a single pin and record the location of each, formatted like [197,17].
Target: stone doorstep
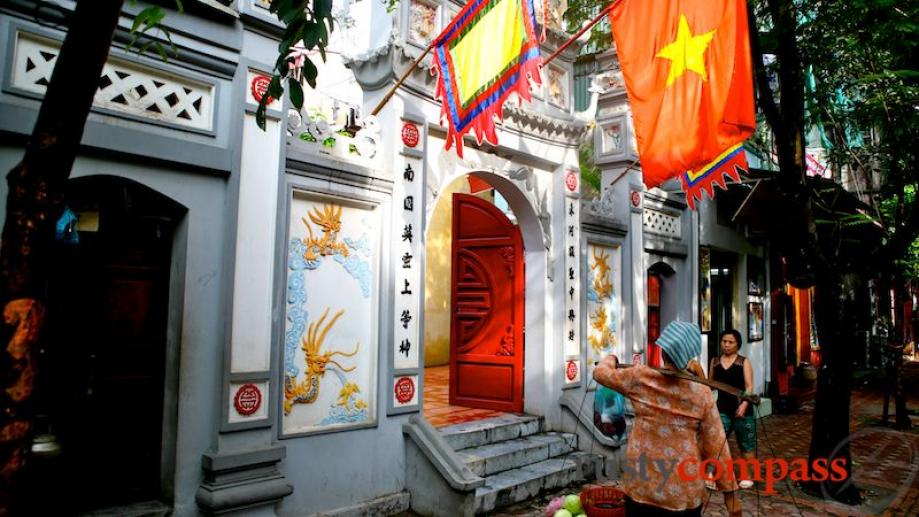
[144,509]
[492,458]
[491,430]
[520,484]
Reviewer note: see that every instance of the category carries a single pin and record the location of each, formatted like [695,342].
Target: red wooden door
[486,325]
[654,319]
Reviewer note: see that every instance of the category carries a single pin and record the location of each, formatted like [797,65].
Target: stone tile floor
[886,464]
[437,408]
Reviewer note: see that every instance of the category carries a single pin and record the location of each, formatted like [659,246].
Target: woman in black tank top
[734,369]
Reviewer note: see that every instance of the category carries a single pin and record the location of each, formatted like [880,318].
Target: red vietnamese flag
[687,70]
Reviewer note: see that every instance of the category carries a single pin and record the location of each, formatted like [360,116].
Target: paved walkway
[437,408]
[885,463]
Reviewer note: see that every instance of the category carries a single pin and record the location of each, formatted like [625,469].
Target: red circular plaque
[259,86]
[571,370]
[248,399]
[410,134]
[636,199]
[571,181]
[404,389]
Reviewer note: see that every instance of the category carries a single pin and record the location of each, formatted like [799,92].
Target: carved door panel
[487,297]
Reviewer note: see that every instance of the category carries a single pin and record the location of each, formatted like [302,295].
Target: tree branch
[766,99]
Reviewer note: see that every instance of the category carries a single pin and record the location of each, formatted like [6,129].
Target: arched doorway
[514,204]
[102,393]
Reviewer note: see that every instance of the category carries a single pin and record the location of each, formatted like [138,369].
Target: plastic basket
[603,501]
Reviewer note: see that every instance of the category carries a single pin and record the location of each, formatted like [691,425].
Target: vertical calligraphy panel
[572,328]
[408,247]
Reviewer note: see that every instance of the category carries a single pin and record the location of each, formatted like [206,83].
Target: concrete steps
[517,458]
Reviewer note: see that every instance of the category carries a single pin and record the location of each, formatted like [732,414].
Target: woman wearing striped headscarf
[676,423]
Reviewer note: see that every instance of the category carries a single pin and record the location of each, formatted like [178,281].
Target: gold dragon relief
[603,338]
[329,220]
[317,363]
[601,269]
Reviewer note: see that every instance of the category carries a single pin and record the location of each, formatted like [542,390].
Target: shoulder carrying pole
[720,386]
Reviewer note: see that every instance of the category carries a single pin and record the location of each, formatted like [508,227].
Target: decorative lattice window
[124,86]
[661,223]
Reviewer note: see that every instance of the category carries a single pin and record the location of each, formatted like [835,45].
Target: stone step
[491,430]
[492,458]
[522,483]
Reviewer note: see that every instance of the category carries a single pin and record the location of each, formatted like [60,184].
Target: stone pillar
[241,473]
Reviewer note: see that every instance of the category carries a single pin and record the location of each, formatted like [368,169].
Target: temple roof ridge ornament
[602,206]
[373,69]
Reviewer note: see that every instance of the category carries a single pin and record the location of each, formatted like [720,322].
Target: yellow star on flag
[686,52]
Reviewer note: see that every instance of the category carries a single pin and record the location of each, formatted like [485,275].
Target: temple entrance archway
[519,377]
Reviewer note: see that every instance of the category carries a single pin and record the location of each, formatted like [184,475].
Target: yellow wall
[437,277]
[437,274]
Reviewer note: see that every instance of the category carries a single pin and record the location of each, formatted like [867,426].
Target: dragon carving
[602,284]
[606,338]
[604,289]
[307,390]
[329,219]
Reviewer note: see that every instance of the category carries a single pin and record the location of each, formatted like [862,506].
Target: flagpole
[578,34]
[401,80]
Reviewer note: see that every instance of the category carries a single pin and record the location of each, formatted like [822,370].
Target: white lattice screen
[124,86]
[661,223]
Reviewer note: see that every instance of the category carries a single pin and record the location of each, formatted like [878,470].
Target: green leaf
[260,113]
[296,92]
[146,46]
[280,6]
[310,35]
[180,6]
[292,34]
[142,18]
[322,8]
[323,36]
[172,46]
[156,16]
[292,13]
[310,72]
[161,51]
[274,88]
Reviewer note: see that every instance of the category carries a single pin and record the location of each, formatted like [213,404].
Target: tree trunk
[839,308]
[34,202]
[903,421]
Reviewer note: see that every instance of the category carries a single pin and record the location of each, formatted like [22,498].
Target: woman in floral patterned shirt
[676,427]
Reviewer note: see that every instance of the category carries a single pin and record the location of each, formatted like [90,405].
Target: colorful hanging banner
[729,164]
[486,53]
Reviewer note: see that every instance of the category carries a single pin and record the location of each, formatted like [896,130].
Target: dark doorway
[723,270]
[101,393]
